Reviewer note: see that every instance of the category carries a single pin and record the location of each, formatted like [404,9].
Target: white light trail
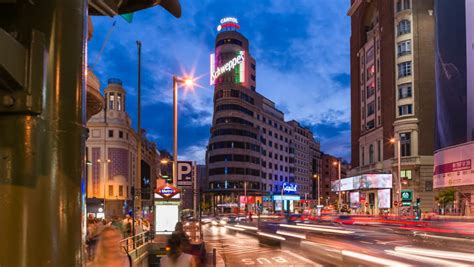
[292,234]
[247,227]
[437,253]
[372,259]
[431,261]
[271,236]
[319,226]
[310,228]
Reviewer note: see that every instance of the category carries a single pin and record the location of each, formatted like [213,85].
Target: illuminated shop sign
[228,22]
[237,62]
[289,188]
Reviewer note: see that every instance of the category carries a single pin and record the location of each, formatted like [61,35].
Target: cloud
[195,152]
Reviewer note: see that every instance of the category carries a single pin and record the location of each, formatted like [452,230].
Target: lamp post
[398,191]
[105,181]
[176,81]
[338,164]
[317,177]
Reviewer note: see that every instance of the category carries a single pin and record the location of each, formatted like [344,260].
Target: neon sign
[238,61]
[290,188]
[228,22]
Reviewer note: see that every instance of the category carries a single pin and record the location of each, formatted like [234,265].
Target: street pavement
[331,245]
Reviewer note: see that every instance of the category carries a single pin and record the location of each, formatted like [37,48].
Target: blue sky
[301,49]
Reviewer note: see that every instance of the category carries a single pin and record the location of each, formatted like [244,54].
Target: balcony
[95,101]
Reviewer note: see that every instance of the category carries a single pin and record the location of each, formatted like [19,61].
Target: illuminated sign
[167,191]
[407,195]
[290,188]
[238,61]
[228,22]
[366,181]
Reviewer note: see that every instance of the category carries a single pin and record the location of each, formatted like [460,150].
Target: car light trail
[310,228]
[292,234]
[234,228]
[247,227]
[271,236]
[431,261]
[319,226]
[437,253]
[372,259]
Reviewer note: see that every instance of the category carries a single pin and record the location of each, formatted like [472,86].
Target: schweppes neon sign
[238,61]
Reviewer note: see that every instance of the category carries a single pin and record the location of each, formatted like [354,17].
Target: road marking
[302,258]
[372,259]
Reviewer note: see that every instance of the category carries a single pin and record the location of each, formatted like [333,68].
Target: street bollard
[214,257]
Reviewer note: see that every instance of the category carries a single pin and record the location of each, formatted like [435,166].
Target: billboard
[383,198]
[366,181]
[354,196]
[454,92]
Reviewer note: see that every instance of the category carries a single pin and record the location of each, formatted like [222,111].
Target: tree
[445,196]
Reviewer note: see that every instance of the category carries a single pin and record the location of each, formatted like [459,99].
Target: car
[344,219]
[219,221]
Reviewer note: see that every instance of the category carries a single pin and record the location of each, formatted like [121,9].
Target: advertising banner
[366,181]
[383,196]
[454,68]
[354,200]
[454,166]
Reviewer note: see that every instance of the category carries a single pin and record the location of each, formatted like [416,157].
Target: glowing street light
[338,164]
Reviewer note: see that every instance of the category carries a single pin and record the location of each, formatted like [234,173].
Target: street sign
[185,173]
[167,191]
[366,204]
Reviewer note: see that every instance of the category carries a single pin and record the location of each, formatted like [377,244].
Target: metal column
[42,152]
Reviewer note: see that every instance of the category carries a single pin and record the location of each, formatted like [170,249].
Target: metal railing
[134,242]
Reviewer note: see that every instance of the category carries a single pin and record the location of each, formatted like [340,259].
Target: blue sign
[289,188]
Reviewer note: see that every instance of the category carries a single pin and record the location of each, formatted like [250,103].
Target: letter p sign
[185,173]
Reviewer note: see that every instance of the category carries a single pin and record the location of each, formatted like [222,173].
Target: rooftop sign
[228,23]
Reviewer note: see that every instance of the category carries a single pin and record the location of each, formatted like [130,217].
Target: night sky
[301,49]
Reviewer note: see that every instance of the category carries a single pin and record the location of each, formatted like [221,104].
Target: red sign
[453,167]
[395,203]
[247,200]
[167,191]
[366,204]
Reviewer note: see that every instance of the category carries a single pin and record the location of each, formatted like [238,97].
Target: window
[404,27]
[252,66]
[363,156]
[234,107]
[371,154]
[225,120]
[111,190]
[111,133]
[370,124]
[370,72]
[405,174]
[252,77]
[370,89]
[379,150]
[120,190]
[405,144]
[404,69]
[403,5]
[120,134]
[404,91]
[405,110]
[371,108]
[404,48]
[111,100]
[119,101]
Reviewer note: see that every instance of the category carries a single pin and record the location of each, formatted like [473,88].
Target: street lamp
[317,177]
[188,82]
[398,191]
[338,164]
[105,179]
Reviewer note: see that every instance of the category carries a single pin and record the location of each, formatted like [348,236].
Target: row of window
[232,144]
[236,185]
[238,132]
[120,134]
[274,124]
[114,104]
[234,157]
[226,120]
[234,170]
[403,5]
[270,133]
[234,93]
[234,107]
[405,150]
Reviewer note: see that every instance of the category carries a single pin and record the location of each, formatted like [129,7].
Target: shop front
[367,194]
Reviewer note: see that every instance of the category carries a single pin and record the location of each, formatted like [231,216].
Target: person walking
[109,252]
[175,256]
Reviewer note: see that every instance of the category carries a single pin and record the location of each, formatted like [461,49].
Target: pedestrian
[175,257]
[109,252]
[179,231]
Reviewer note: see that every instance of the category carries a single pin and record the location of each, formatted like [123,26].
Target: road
[282,244]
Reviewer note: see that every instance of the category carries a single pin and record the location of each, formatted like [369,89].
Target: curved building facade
[251,152]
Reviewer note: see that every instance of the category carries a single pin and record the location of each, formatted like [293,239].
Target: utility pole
[137,185]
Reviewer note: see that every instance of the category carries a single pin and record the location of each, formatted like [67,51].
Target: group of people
[105,246]
[97,229]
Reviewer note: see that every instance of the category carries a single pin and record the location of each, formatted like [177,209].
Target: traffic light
[418,202]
